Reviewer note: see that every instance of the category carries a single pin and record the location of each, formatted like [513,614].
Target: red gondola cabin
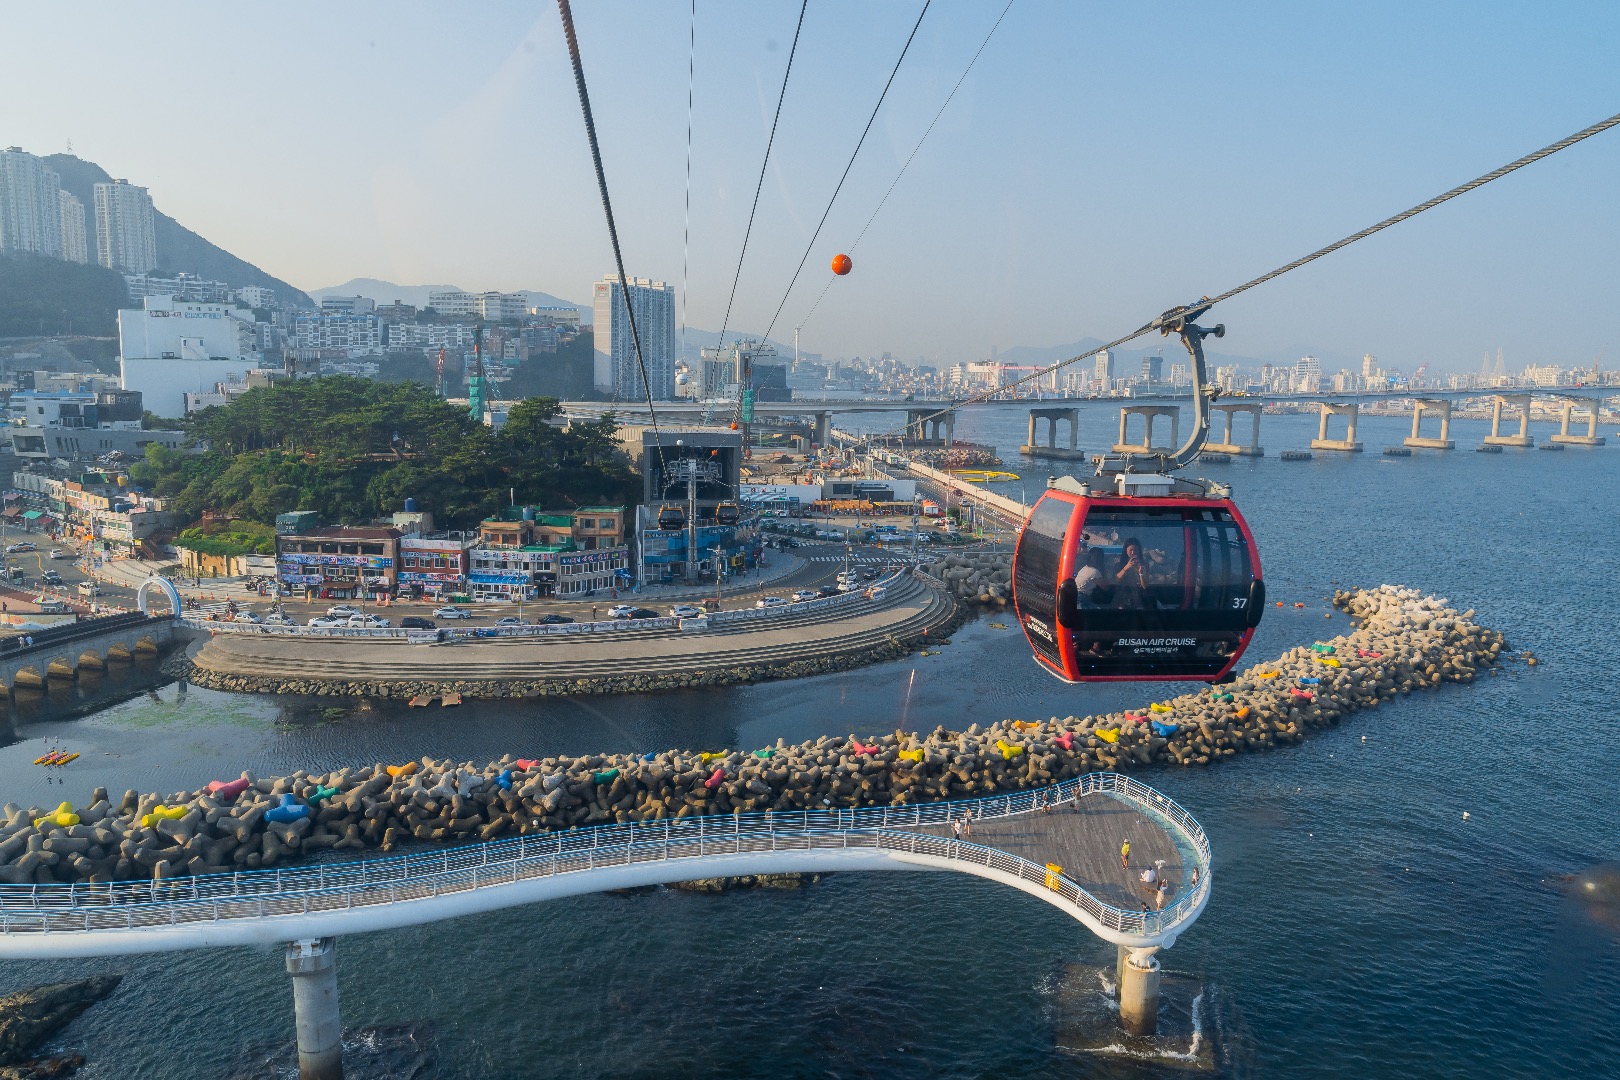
[1114,587]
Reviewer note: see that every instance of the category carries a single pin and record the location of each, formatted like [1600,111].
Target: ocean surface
[1359,926]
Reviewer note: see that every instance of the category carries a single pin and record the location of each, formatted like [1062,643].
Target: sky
[1101,163]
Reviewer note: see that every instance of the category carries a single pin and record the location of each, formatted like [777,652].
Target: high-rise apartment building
[125,237]
[1103,373]
[75,237]
[616,371]
[30,207]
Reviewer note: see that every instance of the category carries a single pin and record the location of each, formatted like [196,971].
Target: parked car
[416,622]
[88,589]
[276,618]
[58,553]
[770,602]
[828,590]
[326,622]
[51,577]
[362,621]
[685,611]
[643,613]
[451,613]
[621,611]
[868,573]
[805,594]
[20,546]
[342,611]
[511,620]
[554,620]
[247,617]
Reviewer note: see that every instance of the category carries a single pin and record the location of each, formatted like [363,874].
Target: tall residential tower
[30,206]
[616,371]
[125,240]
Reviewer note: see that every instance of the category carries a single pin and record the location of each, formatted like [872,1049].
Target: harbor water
[1360,925]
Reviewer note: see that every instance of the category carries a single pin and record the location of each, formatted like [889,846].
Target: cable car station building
[697,474]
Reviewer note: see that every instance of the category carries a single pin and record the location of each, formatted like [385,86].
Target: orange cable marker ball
[842,264]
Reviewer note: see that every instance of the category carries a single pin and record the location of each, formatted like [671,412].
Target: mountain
[40,296]
[386,292]
[179,250]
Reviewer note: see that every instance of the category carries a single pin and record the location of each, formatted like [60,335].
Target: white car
[58,553]
[23,546]
[326,622]
[247,616]
[770,602]
[276,618]
[686,611]
[366,622]
[621,611]
[451,613]
[342,611]
[511,620]
[804,595]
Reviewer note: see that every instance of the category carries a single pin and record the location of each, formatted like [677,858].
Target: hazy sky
[1102,162]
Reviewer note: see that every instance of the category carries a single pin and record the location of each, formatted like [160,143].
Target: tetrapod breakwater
[1403,642]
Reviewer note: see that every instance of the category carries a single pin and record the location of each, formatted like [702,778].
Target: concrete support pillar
[312,963]
[1139,992]
[1523,439]
[823,428]
[1419,407]
[1348,444]
[1591,438]
[950,428]
[1030,441]
[1229,444]
[1074,429]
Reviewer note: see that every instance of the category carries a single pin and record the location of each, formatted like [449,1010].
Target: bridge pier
[1139,990]
[823,435]
[1033,447]
[1591,438]
[1148,413]
[1522,439]
[1348,444]
[1229,445]
[1443,407]
[312,963]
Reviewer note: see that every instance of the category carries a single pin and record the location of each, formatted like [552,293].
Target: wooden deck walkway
[1084,839]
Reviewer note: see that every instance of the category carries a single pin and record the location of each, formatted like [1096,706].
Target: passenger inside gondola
[1090,585]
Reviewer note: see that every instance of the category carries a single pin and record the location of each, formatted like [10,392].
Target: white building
[75,238]
[125,240]
[616,371]
[1307,375]
[348,305]
[255,296]
[181,287]
[430,336]
[173,347]
[456,304]
[30,205]
[357,335]
[560,316]
[1543,374]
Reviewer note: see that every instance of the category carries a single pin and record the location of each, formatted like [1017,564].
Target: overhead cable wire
[769,142]
[850,164]
[686,228]
[1461,189]
[965,72]
[613,231]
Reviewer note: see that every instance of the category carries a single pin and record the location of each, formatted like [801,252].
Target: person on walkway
[956,829]
[1125,854]
[967,824]
[1149,876]
[1046,802]
[1163,892]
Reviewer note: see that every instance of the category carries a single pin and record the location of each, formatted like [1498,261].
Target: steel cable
[613,232]
[861,142]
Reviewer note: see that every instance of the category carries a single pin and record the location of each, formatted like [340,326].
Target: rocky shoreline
[1403,642]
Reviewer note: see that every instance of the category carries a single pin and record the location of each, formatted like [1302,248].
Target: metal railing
[77,908]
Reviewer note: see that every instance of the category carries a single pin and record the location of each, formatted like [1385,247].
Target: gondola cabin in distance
[1153,584]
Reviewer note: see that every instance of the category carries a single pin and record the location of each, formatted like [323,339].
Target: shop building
[340,562]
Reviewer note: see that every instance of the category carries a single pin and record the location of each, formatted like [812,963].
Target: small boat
[449,699]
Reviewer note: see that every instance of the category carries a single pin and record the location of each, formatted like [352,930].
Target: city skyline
[1013,225]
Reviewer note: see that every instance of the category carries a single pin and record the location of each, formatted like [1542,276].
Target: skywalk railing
[309,889]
